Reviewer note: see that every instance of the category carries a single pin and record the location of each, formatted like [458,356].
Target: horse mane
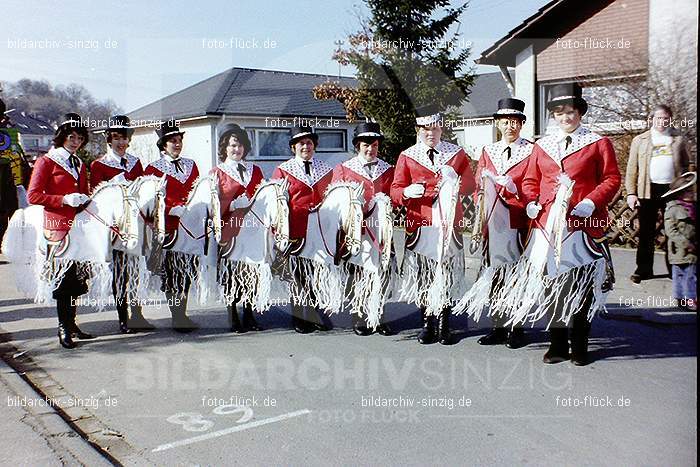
[195,185]
[105,184]
[136,184]
[265,184]
[341,184]
[383,196]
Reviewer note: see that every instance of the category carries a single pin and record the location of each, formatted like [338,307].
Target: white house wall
[525,87]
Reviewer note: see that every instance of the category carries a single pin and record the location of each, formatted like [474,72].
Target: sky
[136,52]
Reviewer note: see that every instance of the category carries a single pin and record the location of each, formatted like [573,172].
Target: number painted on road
[230,409]
[193,421]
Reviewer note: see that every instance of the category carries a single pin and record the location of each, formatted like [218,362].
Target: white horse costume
[557,262]
[245,259]
[336,223]
[433,268]
[194,245]
[500,247]
[148,192]
[371,283]
[88,245]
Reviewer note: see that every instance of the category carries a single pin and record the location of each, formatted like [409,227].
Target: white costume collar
[520,150]
[165,165]
[295,168]
[230,168]
[60,156]
[357,165]
[580,138]
[111,159]
[419,153]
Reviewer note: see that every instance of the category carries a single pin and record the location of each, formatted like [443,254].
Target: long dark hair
[242,137]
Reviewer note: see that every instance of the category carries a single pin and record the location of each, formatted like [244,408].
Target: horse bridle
[356,204]
[129,202]
[279,218]
[123,228]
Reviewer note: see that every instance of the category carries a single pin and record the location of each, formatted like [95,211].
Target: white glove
[632,202]
[240,202]
[415,190]
[177,211]
[75,199]
[506,182]
[533,209]
[583,209]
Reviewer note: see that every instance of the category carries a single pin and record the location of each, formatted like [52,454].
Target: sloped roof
[488,88]
[249,92]
[29,124]
[553,20]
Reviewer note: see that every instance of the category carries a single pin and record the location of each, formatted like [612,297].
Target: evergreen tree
[405,58]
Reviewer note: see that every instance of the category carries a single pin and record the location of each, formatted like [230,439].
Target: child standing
[679,223]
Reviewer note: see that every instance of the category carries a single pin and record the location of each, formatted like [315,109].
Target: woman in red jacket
[238,180]
[308,178]
[376,177]
[577,270]
[60,183]
[117,164]
[180,174]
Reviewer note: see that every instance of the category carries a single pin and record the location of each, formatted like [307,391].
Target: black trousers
[648,212]
[173,281]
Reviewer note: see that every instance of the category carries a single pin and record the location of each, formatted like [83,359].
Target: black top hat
[166,129]
[509,108]
[568,93]
[231,129]
[428,115]
[681,183]
[73,121]
[299,132]
[120,123]
[368,131]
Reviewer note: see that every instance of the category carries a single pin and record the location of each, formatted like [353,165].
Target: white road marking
[233,429]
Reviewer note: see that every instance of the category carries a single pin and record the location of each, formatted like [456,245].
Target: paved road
[280,398]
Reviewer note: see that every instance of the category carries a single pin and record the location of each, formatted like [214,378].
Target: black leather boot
[249,321]
[123,314]
[233,320]
[137,322]
[559,346]
[515,338]
[384,329]
[579,339]
[315,319]
[298,322]
[178,310]
[359,326]
[427,334]
[496,336]
[73,326]
[444,335]
[64,337]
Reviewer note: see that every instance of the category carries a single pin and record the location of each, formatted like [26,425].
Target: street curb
[105,441]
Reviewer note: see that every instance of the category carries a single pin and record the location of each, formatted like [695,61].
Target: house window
[331,141]
[32,142]
[543,119]
[273,143]
[269,143]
